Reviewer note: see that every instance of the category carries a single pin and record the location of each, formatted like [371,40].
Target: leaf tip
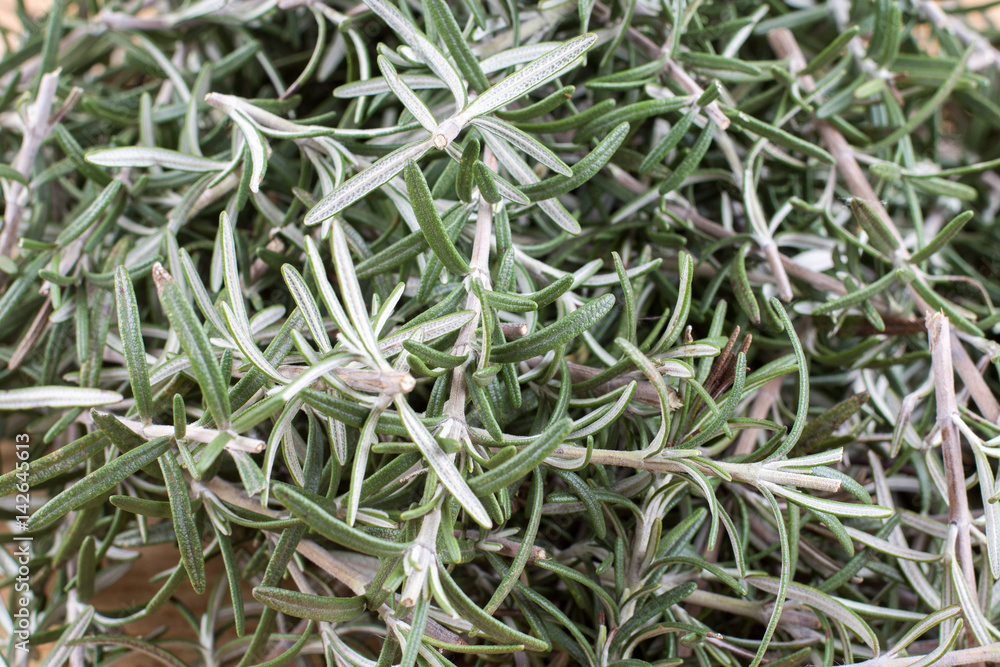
[161,277]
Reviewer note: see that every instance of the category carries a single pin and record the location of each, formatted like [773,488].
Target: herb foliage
[475,333]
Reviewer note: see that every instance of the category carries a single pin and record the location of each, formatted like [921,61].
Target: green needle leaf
[130,330]
[317,513]
[432,356]
[530,76]
[142,156]
[406,95]
[777,135]
[554,335]
[525,461]
[691,160]
[524,142]
[430,221]
[185,526]
[98,482]
[305,605]
[55,397]
[451,33]
[56,463]
[486,623]
[947,233]
[487,182]
[583,170]
[742,288]
[206,368]
[878,231]
[372,178]
[831,51]
[442,464]
[89,216]
[466,177]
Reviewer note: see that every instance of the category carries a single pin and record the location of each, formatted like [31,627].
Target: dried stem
[784,45]
[383,383]
[770,249]
[819,281]
[973,380]
[37,127]
[985,55]
[762,405]
[31,337]
[512,330]
[240,443]
[953,658]
[645,392]
[939,335]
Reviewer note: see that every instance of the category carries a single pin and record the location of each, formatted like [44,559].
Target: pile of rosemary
[493,332]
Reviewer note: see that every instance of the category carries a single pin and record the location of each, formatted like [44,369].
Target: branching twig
[37,126]
[939,335]
[973,381]
[818,280]
[783,42]
[455,408]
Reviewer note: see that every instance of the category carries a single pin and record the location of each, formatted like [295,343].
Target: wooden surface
[8,17]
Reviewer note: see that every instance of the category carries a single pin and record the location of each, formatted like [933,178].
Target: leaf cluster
[504,333]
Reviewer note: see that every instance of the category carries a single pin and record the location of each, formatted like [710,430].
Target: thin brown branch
[819,281]
[762,405]
[784,45]
[644,393]
[512,330]
[939,335]
[31,337]
[773,257]
[973,380]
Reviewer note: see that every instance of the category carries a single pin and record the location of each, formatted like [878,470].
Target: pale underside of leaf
[56,397]
[141,156]
[530,76]
[442,464]
[379,173]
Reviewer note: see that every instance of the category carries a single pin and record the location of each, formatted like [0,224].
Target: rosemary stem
[939,335]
